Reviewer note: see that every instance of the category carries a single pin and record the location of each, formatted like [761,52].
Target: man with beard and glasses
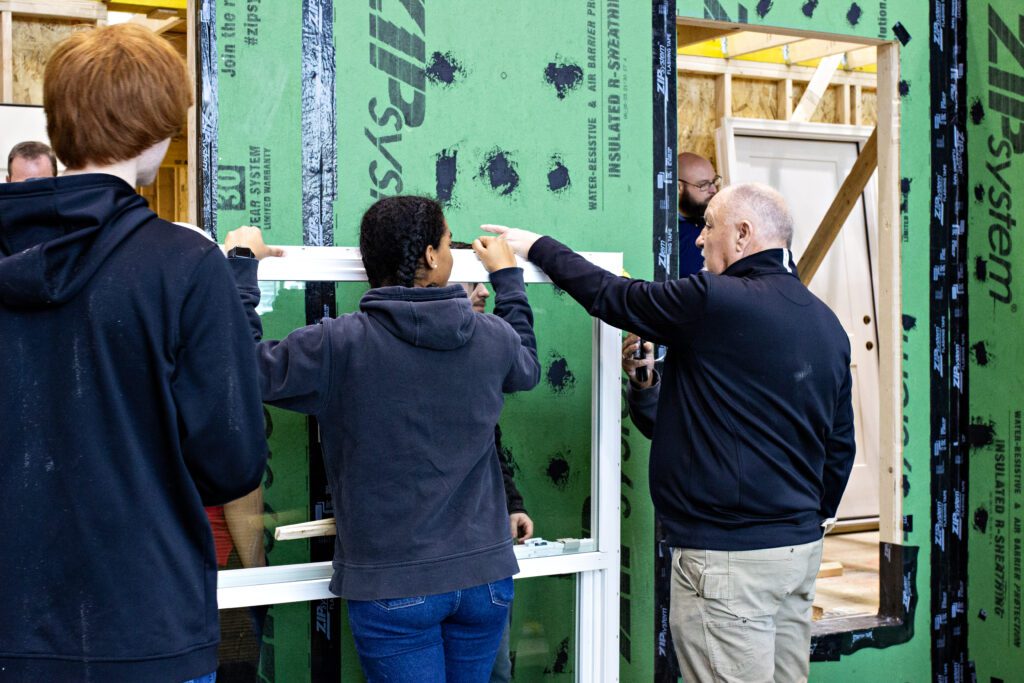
[697,184]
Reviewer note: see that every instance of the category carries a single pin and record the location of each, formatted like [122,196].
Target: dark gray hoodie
[407,392]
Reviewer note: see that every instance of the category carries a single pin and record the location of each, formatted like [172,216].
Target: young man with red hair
[130,393]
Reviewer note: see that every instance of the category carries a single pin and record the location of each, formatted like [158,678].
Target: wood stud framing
[723,96]
[765,71]
[890,330]
[843,103]
[6,57]
[784,93]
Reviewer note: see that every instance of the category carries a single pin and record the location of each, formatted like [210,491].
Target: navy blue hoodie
[753,440]
[407,393]
[129,401]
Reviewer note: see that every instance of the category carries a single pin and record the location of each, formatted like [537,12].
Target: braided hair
[394,234]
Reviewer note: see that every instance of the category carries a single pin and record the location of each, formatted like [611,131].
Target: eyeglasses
[705,185]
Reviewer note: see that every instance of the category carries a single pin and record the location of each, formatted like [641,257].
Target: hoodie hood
[56,232]
[439,318]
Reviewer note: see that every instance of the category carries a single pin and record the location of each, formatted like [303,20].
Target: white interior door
[809,173]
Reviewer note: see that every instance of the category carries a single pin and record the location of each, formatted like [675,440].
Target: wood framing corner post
[890,337]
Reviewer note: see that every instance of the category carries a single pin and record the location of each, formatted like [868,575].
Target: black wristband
[241,252]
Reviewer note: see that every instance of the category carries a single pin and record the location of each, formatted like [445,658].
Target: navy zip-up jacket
[753,440]
[407,393]
[129,402]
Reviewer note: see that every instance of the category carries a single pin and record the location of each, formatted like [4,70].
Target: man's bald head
[743,220]
[697,184]
[690,162]
[766,208]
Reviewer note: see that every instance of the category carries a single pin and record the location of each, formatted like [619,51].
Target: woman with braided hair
[423,551]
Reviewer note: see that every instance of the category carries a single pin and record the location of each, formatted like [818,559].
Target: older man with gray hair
[752,441]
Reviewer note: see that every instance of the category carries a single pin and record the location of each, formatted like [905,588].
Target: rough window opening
[817,117]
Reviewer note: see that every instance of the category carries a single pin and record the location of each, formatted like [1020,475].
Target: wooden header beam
[82,10]
[840,210]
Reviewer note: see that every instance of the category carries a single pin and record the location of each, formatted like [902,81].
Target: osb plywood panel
[754,99]
[869,107]
[31,43]
[696,114]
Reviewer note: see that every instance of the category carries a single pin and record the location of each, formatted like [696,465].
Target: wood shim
[319,527]
[828,569]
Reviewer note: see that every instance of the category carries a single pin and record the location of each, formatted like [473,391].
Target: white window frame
[596,563]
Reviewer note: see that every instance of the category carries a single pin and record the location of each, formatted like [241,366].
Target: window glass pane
[545,434]
[543,632]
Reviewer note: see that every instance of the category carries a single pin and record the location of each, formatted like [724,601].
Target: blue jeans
[446,638]
[502,670]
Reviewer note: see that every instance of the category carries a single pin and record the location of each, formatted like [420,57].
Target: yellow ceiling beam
[147,6]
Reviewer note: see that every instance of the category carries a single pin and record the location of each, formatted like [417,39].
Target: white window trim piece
[596,565]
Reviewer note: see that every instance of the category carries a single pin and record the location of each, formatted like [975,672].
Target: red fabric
[221,536]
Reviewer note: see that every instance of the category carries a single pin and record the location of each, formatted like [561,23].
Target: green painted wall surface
[995,81]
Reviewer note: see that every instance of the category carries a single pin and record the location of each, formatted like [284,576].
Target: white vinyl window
[595,561]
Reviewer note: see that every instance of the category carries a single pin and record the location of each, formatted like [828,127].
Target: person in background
[407,392]
[130,394]
[753,439]
[30,159]
[519,519]
[697,184]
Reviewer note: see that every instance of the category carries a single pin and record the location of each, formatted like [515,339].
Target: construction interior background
[566,118]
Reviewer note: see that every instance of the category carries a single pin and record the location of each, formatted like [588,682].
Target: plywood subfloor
[856,591]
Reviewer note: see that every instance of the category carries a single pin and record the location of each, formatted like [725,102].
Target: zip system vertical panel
[666,267]
[319,190]
[949,326]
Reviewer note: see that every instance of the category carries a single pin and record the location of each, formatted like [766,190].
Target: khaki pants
[743,616]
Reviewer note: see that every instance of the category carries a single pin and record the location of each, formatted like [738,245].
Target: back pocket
[502,592]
